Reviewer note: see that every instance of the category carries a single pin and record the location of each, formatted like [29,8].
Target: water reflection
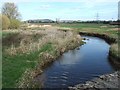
[78,65]
[114,63]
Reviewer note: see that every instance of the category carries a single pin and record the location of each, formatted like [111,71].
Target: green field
[111,30]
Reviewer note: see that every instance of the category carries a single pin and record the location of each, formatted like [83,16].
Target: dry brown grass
[114,49]
[34,40]
[27,44]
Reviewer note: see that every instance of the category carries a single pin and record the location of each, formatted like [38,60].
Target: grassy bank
[110,31]
[26,53]
[14,66]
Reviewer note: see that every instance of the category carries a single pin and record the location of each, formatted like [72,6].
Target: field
[25,52]
[111,30]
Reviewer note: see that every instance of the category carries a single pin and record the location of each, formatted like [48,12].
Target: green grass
[6,34]
[80,25]
[15,66]
[110,30]
[93,28]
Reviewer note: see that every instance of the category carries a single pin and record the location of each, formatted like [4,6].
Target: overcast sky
[67,9]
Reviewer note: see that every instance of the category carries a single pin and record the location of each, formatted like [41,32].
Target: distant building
[66,21]
[69,21]
[40,21]
[78,21]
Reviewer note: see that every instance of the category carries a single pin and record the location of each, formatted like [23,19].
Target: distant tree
[14,24]
[10,10]
[5,22]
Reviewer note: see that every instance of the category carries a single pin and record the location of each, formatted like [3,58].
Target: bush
[5,22]
[14,24]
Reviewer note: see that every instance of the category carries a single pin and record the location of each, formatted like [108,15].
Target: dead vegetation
[49,44]
[29,41]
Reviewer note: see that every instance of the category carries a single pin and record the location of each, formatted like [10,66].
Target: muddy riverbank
[109,40]
[107,82]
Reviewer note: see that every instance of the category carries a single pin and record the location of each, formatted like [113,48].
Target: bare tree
[10,10]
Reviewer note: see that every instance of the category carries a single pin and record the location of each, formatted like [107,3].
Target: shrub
[114,50]
[5,22]
[14,24]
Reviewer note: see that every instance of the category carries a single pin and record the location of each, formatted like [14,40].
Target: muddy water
[78,66]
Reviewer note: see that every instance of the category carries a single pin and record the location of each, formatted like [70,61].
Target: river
[78,66]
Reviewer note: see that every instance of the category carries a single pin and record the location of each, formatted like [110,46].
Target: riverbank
[107,38]
[110,34]
[113,52]
[26,53]
[78,65]
[105,31]
[108,82]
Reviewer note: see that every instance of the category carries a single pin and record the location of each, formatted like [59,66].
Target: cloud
[44,6]
[93,1]
[82,9]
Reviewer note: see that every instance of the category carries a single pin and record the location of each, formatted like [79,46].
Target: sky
[66,9]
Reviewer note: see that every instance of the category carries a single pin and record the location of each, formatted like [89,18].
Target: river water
[78,66]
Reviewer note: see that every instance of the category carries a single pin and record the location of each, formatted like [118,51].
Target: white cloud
[93,1]
[44,6]
[85,10]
